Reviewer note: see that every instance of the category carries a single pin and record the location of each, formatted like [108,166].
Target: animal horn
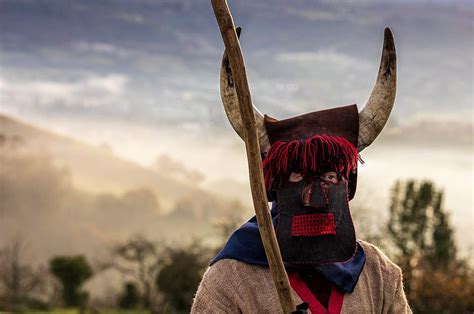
[231,104]
[374,115]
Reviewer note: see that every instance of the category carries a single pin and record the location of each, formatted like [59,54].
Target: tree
[228,223]
[436,280]
[180,276]
[448,291]
[443,250]
[18,280]
[130,298]
[138,259]
[72,272]
[416,215]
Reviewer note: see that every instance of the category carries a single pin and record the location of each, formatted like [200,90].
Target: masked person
[310,168]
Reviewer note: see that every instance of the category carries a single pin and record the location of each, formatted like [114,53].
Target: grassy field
[76,311]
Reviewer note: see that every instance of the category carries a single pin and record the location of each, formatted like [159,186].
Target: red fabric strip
[311,225]
[335,300]
[312,155]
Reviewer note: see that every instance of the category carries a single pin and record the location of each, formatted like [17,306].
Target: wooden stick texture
[267,232]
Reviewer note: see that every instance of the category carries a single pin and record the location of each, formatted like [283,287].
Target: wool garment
[230,286]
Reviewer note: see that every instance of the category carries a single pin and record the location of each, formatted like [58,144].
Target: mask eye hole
[295,177]
[330,177]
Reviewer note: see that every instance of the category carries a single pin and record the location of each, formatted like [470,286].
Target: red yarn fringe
[316,154]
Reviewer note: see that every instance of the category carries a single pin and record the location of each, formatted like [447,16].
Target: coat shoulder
[375,258]
[235,286]
[380,285]
[235,271]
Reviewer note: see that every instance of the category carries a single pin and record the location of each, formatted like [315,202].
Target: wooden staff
[267,232]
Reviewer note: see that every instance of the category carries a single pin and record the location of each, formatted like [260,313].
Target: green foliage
[180,276]
[443,250]
[72,271]
[130,299]
[436,281]
[409,209]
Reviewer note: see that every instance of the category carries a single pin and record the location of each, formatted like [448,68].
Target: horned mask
[315,225]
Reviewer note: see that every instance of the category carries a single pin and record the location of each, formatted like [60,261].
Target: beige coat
[230,286]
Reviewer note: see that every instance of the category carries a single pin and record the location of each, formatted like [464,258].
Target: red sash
[335,300]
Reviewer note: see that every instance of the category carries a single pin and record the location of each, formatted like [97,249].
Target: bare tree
[17,279]
[138,260]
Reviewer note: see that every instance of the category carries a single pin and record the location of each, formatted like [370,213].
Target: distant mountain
[96,168]
[64,196]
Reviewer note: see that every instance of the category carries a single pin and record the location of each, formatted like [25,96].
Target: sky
[141,77]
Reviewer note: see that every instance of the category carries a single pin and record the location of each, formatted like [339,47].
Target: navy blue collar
[245,245]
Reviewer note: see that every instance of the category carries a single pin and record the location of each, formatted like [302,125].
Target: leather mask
[314,225]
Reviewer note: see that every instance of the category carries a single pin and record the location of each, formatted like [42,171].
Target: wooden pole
[267,232]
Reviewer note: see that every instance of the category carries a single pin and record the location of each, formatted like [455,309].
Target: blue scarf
[245,245]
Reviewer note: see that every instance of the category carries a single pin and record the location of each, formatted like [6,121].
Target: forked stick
[267,233]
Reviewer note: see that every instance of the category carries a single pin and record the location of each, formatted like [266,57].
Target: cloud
[196,44]
[302,81]
[175,169]
[338,12]
[97,47]
[88,91]
[162,66]
[430,133]
[318,15]
[132,18]
[304,58]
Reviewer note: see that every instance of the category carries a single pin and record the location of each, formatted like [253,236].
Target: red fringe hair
[313,155]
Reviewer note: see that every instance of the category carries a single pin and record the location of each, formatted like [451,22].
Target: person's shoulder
[384,278]
[231,270]
[231,286]
[376,259]
[232,266]
[219,290]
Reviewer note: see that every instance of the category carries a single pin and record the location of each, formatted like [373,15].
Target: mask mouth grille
[313,225]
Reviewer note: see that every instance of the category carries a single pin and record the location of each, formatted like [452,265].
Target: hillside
[94,168]
[64,196]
